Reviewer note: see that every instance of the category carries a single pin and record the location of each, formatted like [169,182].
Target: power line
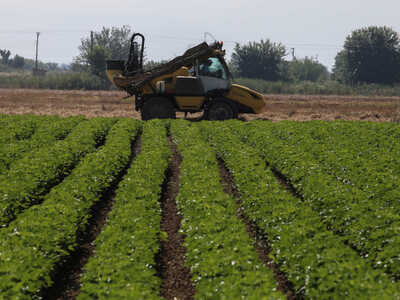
[160,36]
[46,31]
[151,36]
[154,38]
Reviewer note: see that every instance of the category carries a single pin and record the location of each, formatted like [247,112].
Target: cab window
[212,67]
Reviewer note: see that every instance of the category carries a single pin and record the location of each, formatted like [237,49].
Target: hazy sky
[314,28]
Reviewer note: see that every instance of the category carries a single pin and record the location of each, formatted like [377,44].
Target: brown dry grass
[65,103]
[305,108]
[278,107]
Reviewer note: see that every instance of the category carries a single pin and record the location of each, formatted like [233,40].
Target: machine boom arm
[135,82]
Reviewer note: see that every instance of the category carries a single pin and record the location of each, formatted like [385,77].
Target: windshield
[212,67]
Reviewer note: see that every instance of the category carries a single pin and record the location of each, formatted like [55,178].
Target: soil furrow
[261,243]
[285,182]
[66,279]
[176,278]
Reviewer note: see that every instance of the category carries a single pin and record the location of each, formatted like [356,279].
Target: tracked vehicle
[197,81]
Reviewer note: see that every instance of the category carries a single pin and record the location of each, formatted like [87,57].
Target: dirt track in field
[176,277]
[261,244]
[278,107]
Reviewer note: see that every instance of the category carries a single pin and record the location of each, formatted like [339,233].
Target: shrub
[56,81]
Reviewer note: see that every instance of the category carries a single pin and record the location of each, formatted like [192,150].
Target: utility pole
[36,71]
[89,57]
[293,54]
[37,48]
[91,42]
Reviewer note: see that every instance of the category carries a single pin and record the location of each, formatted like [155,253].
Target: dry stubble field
[278,107]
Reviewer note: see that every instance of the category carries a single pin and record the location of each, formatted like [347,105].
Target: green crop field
[117,208]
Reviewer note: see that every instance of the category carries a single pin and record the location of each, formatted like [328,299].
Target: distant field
[117,208]
[278,107]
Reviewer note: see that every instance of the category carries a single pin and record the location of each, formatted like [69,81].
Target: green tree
[370,55]
[97,61]
[52,66]
[109,43]
[5,56]
[307,69]
[18,62]
[260,60]
[340,69]
[151,64]
[232,69]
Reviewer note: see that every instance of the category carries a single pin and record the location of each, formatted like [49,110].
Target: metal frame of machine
[180,85]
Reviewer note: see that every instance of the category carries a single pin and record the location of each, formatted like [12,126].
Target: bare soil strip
[66,279]
[277,107]
[176,278]
[285,182]
[261,243]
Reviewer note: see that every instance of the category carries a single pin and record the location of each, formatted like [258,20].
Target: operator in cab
[210,68]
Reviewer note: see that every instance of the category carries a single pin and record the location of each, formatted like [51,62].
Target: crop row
[366,157]
[124,265]
[341,239]
[32,176]
[6,119]
[355,157]
[315,260]
[365,160]
[9,142]
[49,130]
[219,252]
[366,224]
[43,236]
[17,128]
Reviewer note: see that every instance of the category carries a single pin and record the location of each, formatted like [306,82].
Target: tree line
[17,62]
[369,55]
[9,63]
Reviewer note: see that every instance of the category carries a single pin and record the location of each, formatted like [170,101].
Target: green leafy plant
[49,130]
[123,266]
[367,223]
[34,175]
[220,253]
[43,236]
[315,260]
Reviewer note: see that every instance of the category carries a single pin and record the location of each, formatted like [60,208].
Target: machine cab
[213,74]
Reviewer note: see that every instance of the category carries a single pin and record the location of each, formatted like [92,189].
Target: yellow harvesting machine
[199,80]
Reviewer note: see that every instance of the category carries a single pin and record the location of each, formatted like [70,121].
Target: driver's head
[209,62]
